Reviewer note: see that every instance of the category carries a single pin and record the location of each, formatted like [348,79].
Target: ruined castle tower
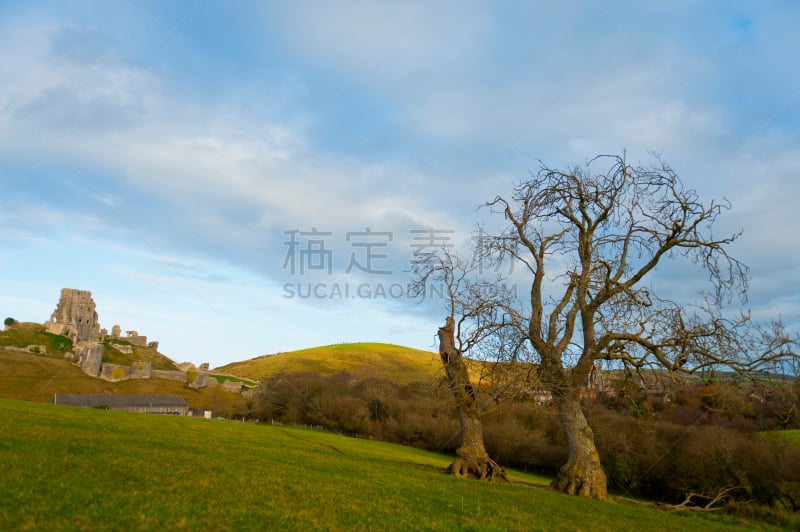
[75,316]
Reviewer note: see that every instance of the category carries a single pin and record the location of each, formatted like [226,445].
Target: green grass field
[66,468]
[223,378]
[790,436]
[393,362]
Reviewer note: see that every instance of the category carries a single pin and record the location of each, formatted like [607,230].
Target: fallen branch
[722,495]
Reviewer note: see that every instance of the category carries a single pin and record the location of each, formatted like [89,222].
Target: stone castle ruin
[76,317]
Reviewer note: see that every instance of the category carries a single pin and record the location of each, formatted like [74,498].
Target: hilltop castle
[76,317]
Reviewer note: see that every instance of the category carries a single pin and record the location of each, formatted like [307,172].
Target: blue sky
[164,154]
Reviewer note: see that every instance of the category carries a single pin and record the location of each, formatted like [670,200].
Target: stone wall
[197,379]
[134,338]
[127,349]
[90,357]
[179,376]
[114,372]
[141,370]
[232,386]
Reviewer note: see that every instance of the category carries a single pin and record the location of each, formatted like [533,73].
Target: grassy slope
[401,364]
[25,334]
[37,378]
[70,468]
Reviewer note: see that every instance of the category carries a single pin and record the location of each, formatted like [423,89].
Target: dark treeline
[702,439]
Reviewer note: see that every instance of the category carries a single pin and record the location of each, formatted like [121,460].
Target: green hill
[400,364]
[67,468]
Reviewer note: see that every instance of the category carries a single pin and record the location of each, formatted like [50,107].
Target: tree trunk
[472,460]
[582,474]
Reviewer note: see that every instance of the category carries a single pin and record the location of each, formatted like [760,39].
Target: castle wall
[138,340]
[197,379]
[90,357]
[141,370]
[232,386]
[114,372]
[122,348]
[179,376]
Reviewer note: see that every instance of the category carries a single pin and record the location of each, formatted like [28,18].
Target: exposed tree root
[589,483]
[483,468]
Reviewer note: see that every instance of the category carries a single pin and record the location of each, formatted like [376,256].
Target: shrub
[667,461]
[10,322]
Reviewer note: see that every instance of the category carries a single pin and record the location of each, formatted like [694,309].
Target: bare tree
[778,387]
[478,325]
[589,239]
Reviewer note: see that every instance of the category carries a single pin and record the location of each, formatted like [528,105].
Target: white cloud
[122,119]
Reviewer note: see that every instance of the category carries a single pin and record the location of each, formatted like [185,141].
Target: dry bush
[667,461]
[526,437]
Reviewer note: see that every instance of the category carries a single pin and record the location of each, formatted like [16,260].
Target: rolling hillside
[67,468]
[400,364]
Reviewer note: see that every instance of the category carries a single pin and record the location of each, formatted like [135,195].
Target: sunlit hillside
[400,364]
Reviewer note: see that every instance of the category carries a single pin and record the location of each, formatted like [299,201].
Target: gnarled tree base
[574,480]
[480,468]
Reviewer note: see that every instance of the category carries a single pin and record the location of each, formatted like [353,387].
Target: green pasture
[67,468]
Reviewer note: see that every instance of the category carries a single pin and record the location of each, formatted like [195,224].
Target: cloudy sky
[201,165]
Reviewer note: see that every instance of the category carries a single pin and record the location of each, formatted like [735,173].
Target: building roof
[118,401]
